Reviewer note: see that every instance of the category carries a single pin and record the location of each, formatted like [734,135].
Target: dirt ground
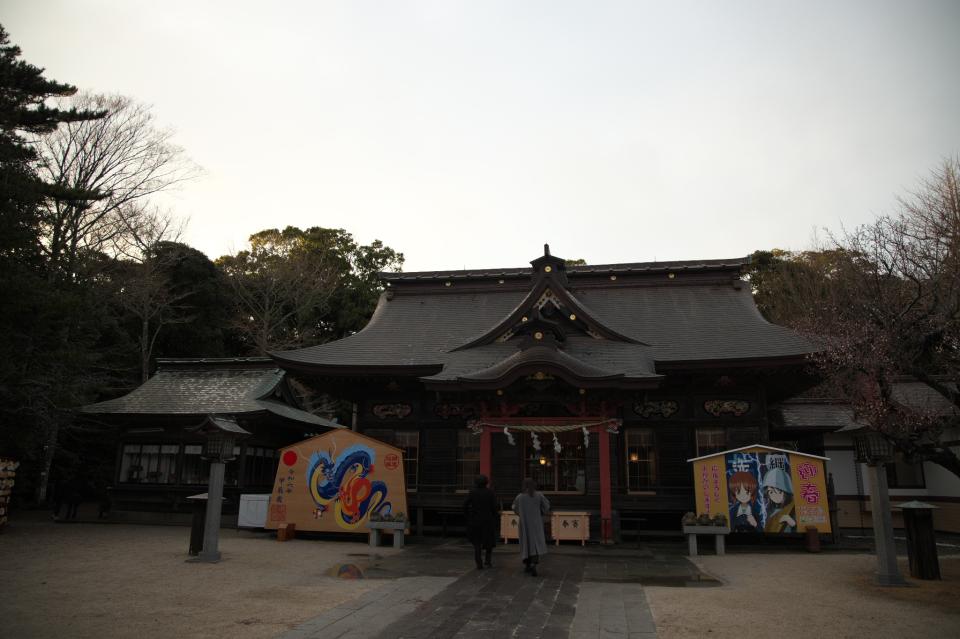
[88,580]
[826,595]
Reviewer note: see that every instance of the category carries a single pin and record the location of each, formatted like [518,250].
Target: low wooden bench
[719,535]
[398,528]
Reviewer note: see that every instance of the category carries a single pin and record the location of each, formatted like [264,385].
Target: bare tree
[124,157]
[279,286]
[884,302]
[147,294]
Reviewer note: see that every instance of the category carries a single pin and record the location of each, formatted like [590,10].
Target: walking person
[481,511]
[59,493]
[531,506]
[74,495]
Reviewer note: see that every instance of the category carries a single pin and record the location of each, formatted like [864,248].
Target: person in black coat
[481,511]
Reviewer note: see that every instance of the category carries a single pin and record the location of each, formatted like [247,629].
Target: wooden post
[486,454]
[606,511]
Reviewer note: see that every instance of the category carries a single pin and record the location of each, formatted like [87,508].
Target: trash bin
[921,540]
[198,525]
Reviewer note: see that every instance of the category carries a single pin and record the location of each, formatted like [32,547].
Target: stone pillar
[211,534]
[888,574]
[606,509]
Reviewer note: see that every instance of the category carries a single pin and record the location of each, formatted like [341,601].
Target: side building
[158,459]
[597,381]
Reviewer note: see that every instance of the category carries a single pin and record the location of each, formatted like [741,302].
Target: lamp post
[221,436]
[874,450]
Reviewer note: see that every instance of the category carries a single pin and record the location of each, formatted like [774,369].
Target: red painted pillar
[486,454]
[606,509]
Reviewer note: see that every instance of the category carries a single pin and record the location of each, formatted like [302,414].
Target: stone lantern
[875,450]
[222,435]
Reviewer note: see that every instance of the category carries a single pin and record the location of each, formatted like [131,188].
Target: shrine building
[598,381]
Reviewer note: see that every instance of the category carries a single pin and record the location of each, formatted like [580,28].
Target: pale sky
[467,134]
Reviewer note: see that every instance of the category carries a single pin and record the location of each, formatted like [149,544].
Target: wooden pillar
[486,454]
[606,510]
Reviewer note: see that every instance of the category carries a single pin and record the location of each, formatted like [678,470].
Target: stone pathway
[612,610]
[370,614]
[430,592]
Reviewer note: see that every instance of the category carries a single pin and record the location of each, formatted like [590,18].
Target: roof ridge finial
[546,250]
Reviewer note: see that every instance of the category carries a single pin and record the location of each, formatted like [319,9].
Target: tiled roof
[205,387]
[922,397]
[607,325]
[586,269]
[829,413]
[814,415]
[679,323]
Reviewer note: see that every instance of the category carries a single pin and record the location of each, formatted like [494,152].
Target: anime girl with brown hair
[744,509]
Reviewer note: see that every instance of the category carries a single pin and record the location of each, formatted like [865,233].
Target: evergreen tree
[23,92]
[45,330]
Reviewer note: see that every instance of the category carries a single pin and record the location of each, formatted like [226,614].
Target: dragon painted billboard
[760,489]
[334,482]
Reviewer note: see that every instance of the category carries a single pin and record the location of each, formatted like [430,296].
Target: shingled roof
[631,321]
[234,386]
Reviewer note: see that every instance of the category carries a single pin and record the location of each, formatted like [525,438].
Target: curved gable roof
[444,325]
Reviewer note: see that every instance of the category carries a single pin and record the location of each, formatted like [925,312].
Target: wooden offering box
[570,524]
[509,526]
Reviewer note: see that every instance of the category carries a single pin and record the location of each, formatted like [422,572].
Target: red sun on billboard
[290,458]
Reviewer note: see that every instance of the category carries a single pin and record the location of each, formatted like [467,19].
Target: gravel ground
[88,580]
[826,595]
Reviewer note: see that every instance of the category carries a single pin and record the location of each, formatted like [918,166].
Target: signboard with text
[763,490]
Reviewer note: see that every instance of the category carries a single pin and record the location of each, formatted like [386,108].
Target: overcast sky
[467,134]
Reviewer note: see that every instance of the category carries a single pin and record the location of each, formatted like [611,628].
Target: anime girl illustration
[744,509]
[778,490]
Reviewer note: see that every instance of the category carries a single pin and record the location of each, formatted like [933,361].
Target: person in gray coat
[531,506]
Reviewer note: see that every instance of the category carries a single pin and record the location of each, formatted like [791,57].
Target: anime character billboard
[763,490]
[334,482]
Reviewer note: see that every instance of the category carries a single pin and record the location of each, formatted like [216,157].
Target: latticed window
[408,441]
[196,470]
[711,440]
[468,459]
[641,459]
[260,466]
[149,463]
[556,472]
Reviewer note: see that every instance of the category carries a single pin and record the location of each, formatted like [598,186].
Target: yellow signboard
[334,482]
[763,489]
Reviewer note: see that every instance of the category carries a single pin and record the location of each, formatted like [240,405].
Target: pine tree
[44,329]
[23,92]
